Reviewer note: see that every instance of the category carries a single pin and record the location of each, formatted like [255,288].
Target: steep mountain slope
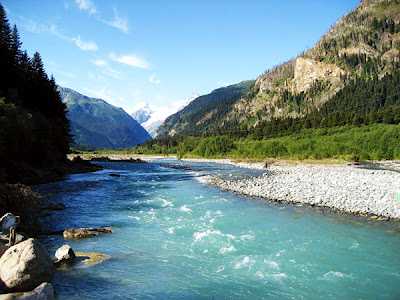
[200,113]
[96,123]
[364,43]
[362,46]
[151,117]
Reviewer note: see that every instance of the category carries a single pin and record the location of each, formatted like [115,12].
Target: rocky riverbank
[344,188]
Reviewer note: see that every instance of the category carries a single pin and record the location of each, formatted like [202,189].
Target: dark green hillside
[187,120]
[96,123]
[34,129]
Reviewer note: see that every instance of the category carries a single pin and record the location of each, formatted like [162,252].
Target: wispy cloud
[35,27]
[131,60]
[86,46]
[152,79]
[118,22]
[100,62]
[107,70]
[86,5]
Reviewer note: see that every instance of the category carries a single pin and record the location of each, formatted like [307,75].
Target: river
[175,237]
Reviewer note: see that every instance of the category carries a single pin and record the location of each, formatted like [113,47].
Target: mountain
[200,113]
[97,123]
[151,117]
[363,47]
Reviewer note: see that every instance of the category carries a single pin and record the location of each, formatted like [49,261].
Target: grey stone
[64,254]
[45,291]
[26,265]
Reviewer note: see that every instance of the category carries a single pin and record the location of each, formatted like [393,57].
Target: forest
[34,129]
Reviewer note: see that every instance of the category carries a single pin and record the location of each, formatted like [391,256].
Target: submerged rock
[26,265]
[90,259]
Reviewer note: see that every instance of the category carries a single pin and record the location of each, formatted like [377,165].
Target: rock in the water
[78,233]
[90,259]
[55,206]
[65,254]
[7,221]
[45,291]
[26,265]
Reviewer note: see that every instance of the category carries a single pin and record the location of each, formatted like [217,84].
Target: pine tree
[15,46]
[37,65]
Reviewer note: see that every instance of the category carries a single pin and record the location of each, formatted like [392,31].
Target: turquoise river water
[175,237]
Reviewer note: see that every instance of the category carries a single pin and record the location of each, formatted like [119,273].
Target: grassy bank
[368,142]
[377,141]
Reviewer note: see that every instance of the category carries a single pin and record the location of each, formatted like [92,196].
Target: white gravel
[341,187]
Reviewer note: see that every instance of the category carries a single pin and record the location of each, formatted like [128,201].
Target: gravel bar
[340,187]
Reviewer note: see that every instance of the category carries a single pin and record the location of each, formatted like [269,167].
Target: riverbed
[176,237]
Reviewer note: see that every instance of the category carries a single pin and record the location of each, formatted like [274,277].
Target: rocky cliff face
[307,71]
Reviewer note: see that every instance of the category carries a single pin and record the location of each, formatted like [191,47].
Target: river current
[175,237]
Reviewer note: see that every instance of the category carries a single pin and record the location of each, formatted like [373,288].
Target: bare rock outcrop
[308,70]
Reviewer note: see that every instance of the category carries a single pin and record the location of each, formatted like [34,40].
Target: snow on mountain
[151,117]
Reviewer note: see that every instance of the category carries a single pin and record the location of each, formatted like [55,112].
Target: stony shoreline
[344,188]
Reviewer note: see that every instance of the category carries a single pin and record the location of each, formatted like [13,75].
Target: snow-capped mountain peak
[151,117]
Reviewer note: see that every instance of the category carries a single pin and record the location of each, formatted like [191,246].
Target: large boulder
[45,291]
[25,266]
[7,221]
[64,254]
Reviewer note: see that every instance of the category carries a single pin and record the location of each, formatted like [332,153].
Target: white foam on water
[272,264]
[171,230]
[134,217]
[202,178]
[244,263]
[247,237]
[166,203]
[220,269]
[185,208]
[200,197]
[355,245]
[333,275]
[280,252]
[201,234]
[229,249]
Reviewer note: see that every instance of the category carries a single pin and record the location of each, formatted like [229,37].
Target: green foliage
[34,128]
[214,146]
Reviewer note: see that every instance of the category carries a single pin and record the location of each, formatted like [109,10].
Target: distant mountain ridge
[199,114]
[95,122]
[151,117]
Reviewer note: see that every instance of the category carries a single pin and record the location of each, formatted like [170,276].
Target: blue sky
[129,51]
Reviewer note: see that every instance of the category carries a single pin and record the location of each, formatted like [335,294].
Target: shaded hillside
[202,113]
[96,123]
